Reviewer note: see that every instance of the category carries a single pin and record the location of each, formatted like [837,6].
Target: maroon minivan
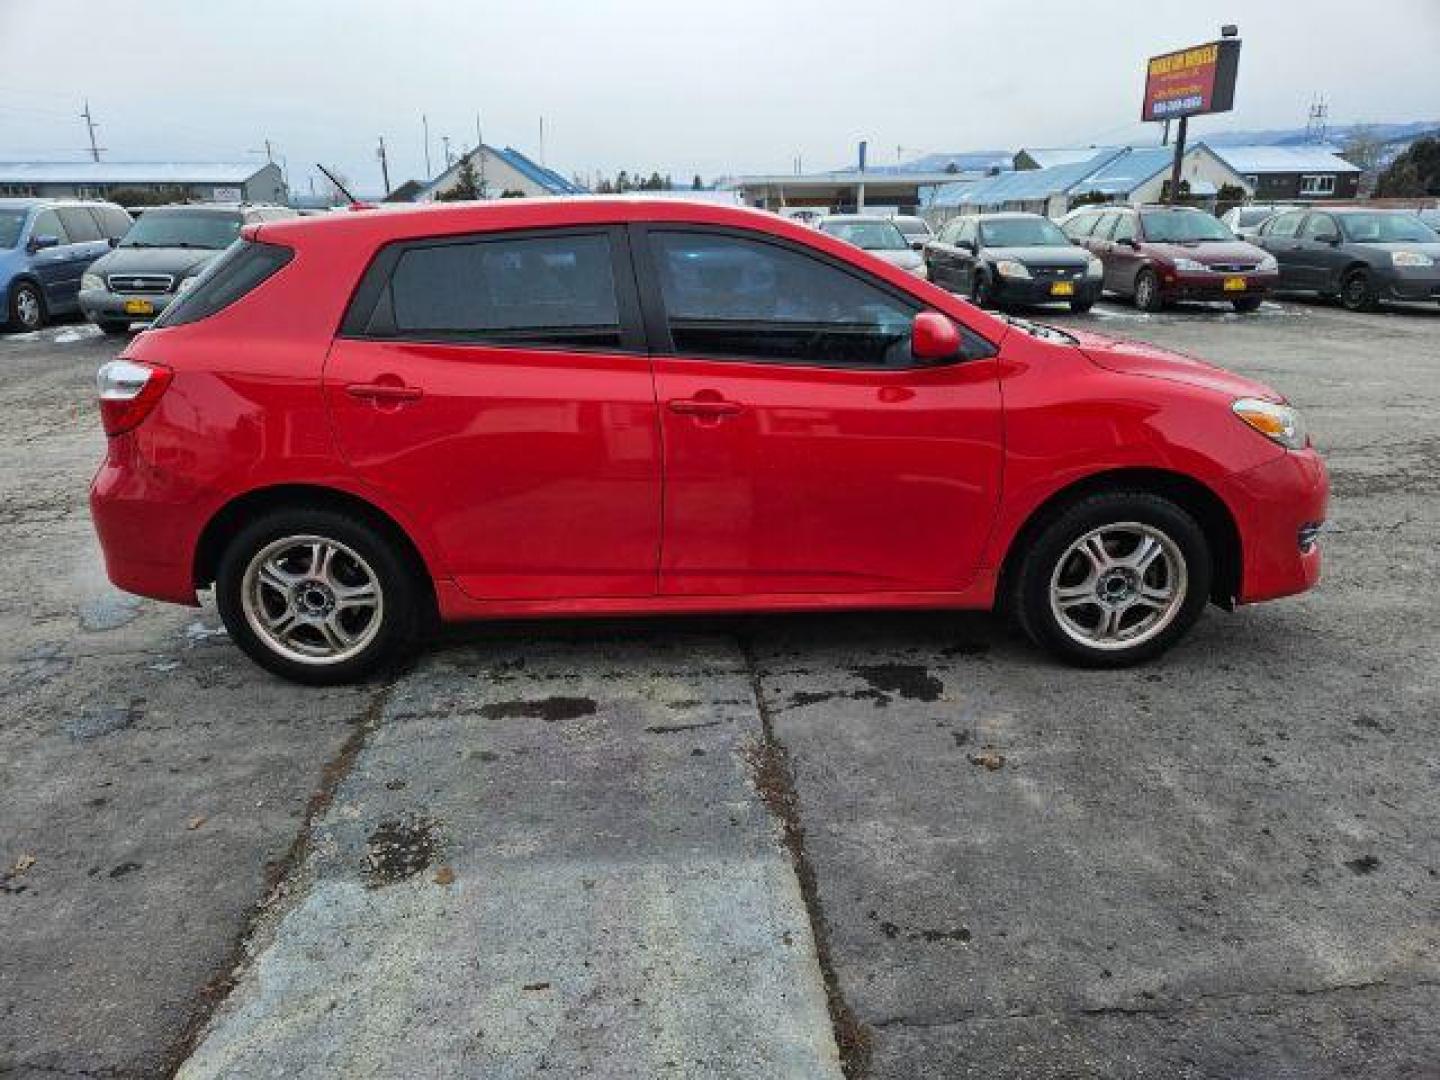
[1159,254]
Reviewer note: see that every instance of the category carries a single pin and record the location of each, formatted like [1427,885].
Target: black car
[1356,255]
[160,257]
[1001,259]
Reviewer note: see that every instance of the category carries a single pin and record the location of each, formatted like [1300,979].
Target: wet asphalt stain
[959,934]
[107,720]
[551,709]
[1366,864]
[108,612]
[670,729]
[910,681]
[124,868]
[400,849]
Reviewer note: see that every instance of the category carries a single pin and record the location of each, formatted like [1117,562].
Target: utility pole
[90,126]
[542,140]
[1179,157]
[425,123]
[384,165]
[480,154]
[269,153]
[445,141]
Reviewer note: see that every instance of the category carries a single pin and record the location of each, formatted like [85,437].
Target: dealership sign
[1192,81]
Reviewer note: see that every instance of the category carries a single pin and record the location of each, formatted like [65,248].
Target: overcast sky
[685,86]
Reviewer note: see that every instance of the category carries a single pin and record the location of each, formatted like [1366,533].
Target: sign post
[1190,82]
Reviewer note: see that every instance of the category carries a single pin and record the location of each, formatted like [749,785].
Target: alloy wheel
[1118,586]
[312,599]
[28,311]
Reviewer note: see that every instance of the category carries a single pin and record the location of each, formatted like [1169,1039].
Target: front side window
[1124,228]
[1318,225]
[733,297]
[47,223]
[913,228]
[114,221]
[1106,223]
[550,290]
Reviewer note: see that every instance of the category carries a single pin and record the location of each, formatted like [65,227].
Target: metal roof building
[500,171]
[1124,174]
[239,181]
[1293,172]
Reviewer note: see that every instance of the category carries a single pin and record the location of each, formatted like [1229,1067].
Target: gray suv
[159,259]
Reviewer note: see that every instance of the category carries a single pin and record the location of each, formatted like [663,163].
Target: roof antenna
[354,202]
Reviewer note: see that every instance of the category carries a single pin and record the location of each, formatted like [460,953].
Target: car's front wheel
[1114,579]
[114,329]
[27,307]
[1147,291]
[317,596]
[981,295]
[1357,292]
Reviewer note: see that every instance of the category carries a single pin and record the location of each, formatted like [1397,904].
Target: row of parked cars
[59,256]
[1156,255]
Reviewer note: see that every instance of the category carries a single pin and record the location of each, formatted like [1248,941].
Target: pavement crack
[775,781]
[279,872]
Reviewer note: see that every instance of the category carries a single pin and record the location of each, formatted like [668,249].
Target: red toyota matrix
[355,424]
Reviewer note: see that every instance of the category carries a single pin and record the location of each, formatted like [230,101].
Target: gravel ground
[1223,864]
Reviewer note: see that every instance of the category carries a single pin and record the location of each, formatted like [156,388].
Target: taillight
[128,391]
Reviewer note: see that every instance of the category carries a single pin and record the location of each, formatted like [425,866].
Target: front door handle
[384,392]
[705,408]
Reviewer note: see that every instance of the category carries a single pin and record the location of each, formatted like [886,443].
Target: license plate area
[1234,284]
[1062,288]
[139,307]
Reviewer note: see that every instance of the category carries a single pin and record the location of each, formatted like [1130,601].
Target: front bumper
[102,305]
[1279,507]
[1412,283]
[1030,291]
[1175,285]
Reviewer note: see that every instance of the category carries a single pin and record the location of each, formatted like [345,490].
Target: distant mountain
[1336,135]
[962,160]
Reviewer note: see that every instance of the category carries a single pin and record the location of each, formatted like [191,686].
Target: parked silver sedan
[877,235]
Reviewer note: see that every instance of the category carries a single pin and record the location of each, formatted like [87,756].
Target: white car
[877,235]
[916,229]
[1245,221]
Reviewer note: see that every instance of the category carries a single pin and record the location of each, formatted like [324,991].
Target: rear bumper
[1277,507]
[147,528]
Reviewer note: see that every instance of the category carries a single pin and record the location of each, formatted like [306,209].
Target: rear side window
[555,290]
[1285,225]
[1124,228]
[114,222]
[1082,226]
[243,266]
[79,224]
[47,223]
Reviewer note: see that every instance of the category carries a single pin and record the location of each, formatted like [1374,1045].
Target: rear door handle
[384,391]
[705,407]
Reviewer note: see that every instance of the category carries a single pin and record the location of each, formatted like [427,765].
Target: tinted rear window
[243,266]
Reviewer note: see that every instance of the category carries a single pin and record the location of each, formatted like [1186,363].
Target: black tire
[1247,304]
[114,329]
[399,613]
[981,294]
[1357,292]
[1079,307]
[1050,554]
[1147,291]
[26,310]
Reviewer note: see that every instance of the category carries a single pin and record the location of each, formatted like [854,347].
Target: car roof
[856,217]
[25,202]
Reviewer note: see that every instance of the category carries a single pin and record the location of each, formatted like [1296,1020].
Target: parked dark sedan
[1356,255]
[1159,254]
[1004,259]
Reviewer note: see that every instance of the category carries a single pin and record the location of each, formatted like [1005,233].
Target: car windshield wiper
[1040,330]
[136,244]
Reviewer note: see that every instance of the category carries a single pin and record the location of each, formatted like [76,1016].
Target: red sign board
[1191,81]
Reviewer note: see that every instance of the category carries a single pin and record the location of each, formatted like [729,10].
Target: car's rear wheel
[1114,579]
[27,307]
[317,596]
[1247,304]
[1147,291]
[1357,292]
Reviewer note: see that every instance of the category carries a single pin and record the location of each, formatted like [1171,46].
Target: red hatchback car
[355,424]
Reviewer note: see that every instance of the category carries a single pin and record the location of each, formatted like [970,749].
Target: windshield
[10,224]
[1386,228]
[912,226]
[183,229]
[1022,232]
[1183,227]
[870,235]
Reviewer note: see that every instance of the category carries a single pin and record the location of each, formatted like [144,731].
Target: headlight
[185,283]
[92,283]
[1011,268]
[1268,265]
[1278,423]
[1094,268]
[1411,258]
[1190,266]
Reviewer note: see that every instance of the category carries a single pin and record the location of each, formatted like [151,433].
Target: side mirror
[40,243]
[1131,243]
[113,241]
[968,245]
[917,245]
[933,337]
